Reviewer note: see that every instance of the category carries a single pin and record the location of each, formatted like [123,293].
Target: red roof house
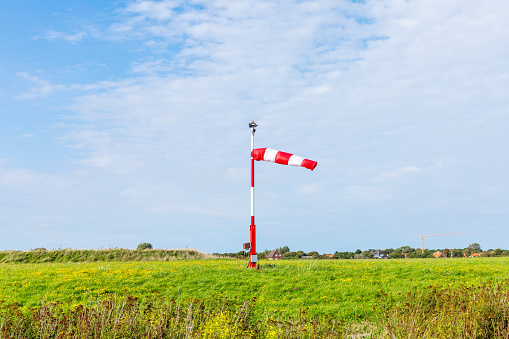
[274,255]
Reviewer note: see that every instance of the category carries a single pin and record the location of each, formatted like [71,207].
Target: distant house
[378,254]
[439,254]
[473,255]
[274,255]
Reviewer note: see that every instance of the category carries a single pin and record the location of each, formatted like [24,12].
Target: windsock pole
[252,228]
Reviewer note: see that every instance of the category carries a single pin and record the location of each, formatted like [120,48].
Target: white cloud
[368,193]
[43,87]
[151,67]
[371,91]
[158,10]
[309,189]
[312,73]
[403,171]
[73,37]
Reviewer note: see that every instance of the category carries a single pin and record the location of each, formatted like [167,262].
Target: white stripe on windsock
[295,160]
[270,155]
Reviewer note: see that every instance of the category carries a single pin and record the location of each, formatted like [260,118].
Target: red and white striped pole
[252,228]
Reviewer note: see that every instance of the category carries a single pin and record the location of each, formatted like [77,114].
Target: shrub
[144,246]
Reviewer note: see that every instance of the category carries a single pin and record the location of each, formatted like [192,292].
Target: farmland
[347,289]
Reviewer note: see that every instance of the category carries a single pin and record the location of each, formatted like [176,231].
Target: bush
[144,246]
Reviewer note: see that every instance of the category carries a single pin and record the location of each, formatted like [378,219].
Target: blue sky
[127,121]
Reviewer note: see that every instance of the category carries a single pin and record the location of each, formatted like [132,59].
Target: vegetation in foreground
[439,312]
[433,312]
[338,287]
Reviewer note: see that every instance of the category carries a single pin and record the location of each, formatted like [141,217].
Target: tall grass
[114,254]
[161,318]
[480,312]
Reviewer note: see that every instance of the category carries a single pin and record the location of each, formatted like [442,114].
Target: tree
[300,253]
[314,254]
[284,249]
[474,248]
[405,249]
[456,253]
[144,246]
[395,255]
[388,251]
[291,255]
[343,255]
[368,254]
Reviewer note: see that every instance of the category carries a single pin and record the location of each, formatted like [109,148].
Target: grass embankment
[115,254]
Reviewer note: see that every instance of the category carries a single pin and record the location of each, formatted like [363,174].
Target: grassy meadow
[170,297]
[346,289]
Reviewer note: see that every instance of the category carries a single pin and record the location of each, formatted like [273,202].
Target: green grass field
[343,288]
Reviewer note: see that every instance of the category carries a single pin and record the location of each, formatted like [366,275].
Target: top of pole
[252,125]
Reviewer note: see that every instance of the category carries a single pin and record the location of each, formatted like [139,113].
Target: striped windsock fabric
[283,158]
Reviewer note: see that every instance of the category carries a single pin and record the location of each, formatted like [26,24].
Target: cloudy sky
[127,121]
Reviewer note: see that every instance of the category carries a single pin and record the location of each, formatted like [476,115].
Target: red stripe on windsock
[309,164]
[258,153]
[282,158]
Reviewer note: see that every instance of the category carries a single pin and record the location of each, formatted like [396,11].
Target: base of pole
[253,265]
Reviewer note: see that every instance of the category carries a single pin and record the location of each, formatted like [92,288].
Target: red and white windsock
[283,158]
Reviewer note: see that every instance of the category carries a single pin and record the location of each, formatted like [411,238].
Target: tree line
[389,253]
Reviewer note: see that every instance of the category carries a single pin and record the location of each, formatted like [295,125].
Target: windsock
[283,158]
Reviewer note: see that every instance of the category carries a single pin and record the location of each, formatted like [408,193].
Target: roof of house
[273,253]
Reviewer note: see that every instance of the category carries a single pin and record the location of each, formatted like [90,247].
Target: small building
[439,254]
[474,255]
[378,254]
[274,255]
